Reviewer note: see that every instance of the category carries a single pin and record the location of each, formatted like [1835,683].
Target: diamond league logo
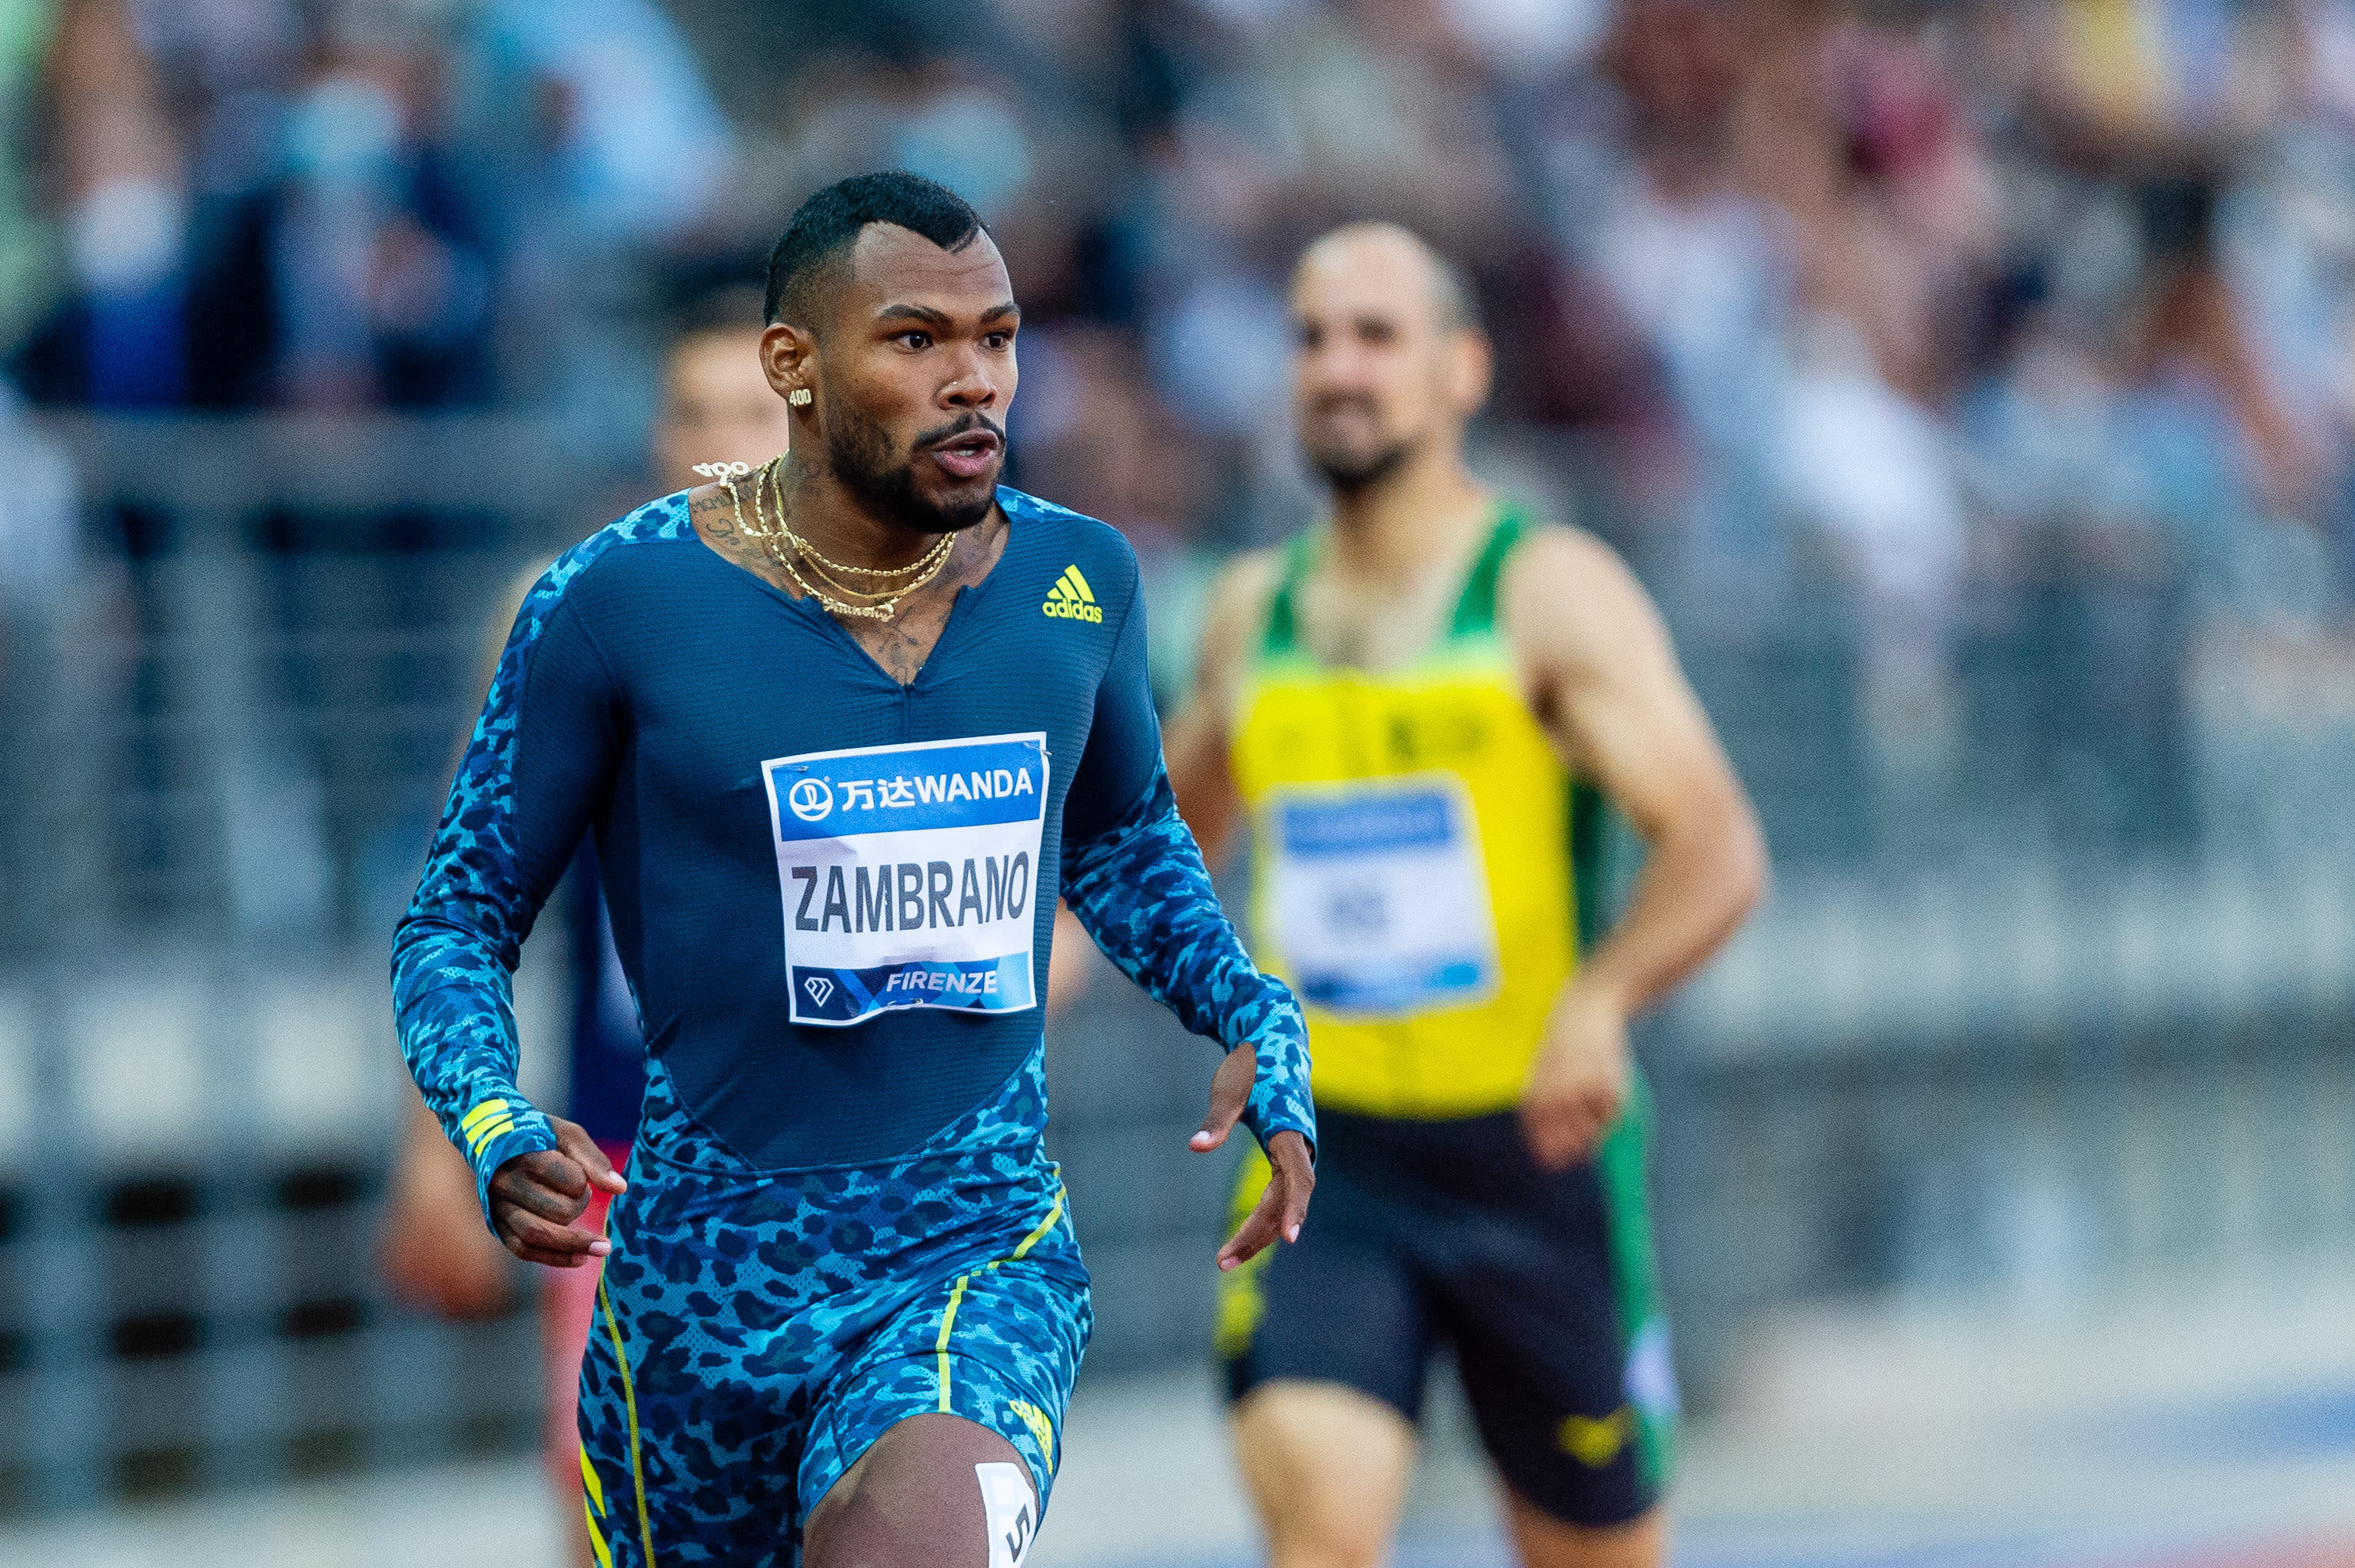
[819,988]
[812,799]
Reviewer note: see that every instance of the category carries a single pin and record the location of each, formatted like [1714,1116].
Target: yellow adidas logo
[1073,599]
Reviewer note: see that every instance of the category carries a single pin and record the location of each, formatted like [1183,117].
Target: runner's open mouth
[968,455]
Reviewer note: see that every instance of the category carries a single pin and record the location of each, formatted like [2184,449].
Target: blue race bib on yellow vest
[909,874]
[1379,896]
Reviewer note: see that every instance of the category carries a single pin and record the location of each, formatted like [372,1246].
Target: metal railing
[2065,1005]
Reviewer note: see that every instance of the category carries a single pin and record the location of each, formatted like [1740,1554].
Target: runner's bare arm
[1604,680]
[1197,741]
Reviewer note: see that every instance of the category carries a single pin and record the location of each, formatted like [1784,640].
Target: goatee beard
[1351,473]
[859,453]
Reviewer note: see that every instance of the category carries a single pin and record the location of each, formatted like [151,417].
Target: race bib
[1009,1511]
[909,875]
[1379,897]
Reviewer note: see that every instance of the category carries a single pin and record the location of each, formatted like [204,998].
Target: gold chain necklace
[880,604]
[823,570]
[782,545]
[773,473]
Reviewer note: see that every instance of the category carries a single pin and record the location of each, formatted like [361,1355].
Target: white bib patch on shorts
[1379,897]
[910,875]
[1013,1511]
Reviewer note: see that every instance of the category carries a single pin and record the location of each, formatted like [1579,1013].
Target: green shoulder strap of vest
[1282,610]
[1476,612]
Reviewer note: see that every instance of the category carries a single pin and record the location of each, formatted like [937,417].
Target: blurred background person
[1482,1130]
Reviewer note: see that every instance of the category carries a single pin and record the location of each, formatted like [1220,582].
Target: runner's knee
[1545,1541]
[1328,1467]
[933,1490]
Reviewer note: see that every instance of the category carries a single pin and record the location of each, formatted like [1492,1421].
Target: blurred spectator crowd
[1933,307]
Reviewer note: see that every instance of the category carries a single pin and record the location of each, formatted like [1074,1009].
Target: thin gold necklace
[926,567]
[879,604]
[774,540]
[773,473]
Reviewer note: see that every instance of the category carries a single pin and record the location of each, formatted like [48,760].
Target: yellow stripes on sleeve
[483,1123]
[592,1502]
[597,1542]
[590,1484]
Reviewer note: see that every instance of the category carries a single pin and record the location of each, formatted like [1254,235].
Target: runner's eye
[914,339]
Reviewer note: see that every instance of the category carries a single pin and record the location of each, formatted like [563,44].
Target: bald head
[1389,360]
[1401,260]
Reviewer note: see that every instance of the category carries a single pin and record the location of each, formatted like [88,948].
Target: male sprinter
[842,1305]
[1401,702]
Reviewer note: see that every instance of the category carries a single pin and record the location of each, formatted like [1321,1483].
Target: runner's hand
[1285,1204]
[1579,1082]
[536,1197]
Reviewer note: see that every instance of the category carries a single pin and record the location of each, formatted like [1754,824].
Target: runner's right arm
[1606,683]
[543,755]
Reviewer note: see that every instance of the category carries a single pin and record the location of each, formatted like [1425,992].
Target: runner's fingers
[1289,1153]
[529,1190]
[559,1168]
[526,1234]
[1295,1210]
[1556,1133]
[1259,1230]
[1579,1134]
[1230,1089]
[1604,1103]
[575,1141]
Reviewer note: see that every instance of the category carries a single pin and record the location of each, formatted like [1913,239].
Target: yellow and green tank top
[1418,849]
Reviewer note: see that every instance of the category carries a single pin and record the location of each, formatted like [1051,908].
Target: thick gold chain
[925,569]
[783,545]
[773,473]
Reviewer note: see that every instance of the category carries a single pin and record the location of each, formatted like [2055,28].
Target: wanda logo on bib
[910,875]
[1379,898]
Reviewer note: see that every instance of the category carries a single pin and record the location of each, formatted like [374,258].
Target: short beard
[1351,474]
[860,451]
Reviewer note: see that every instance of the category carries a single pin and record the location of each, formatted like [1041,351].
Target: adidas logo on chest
[1071,598]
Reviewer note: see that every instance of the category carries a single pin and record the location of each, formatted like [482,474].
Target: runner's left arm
[1134,875]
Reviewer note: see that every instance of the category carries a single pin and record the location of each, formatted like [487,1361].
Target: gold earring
[798,398]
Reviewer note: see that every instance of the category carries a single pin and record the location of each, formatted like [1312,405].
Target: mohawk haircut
[812,255]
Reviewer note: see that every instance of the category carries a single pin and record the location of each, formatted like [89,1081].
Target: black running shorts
[1431,1233]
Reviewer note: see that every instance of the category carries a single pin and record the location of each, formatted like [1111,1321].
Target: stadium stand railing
[2063,1007]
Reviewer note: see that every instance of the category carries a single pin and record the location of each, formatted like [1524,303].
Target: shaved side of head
[1447,292]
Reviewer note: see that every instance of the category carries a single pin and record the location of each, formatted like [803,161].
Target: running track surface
[2190,1428]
